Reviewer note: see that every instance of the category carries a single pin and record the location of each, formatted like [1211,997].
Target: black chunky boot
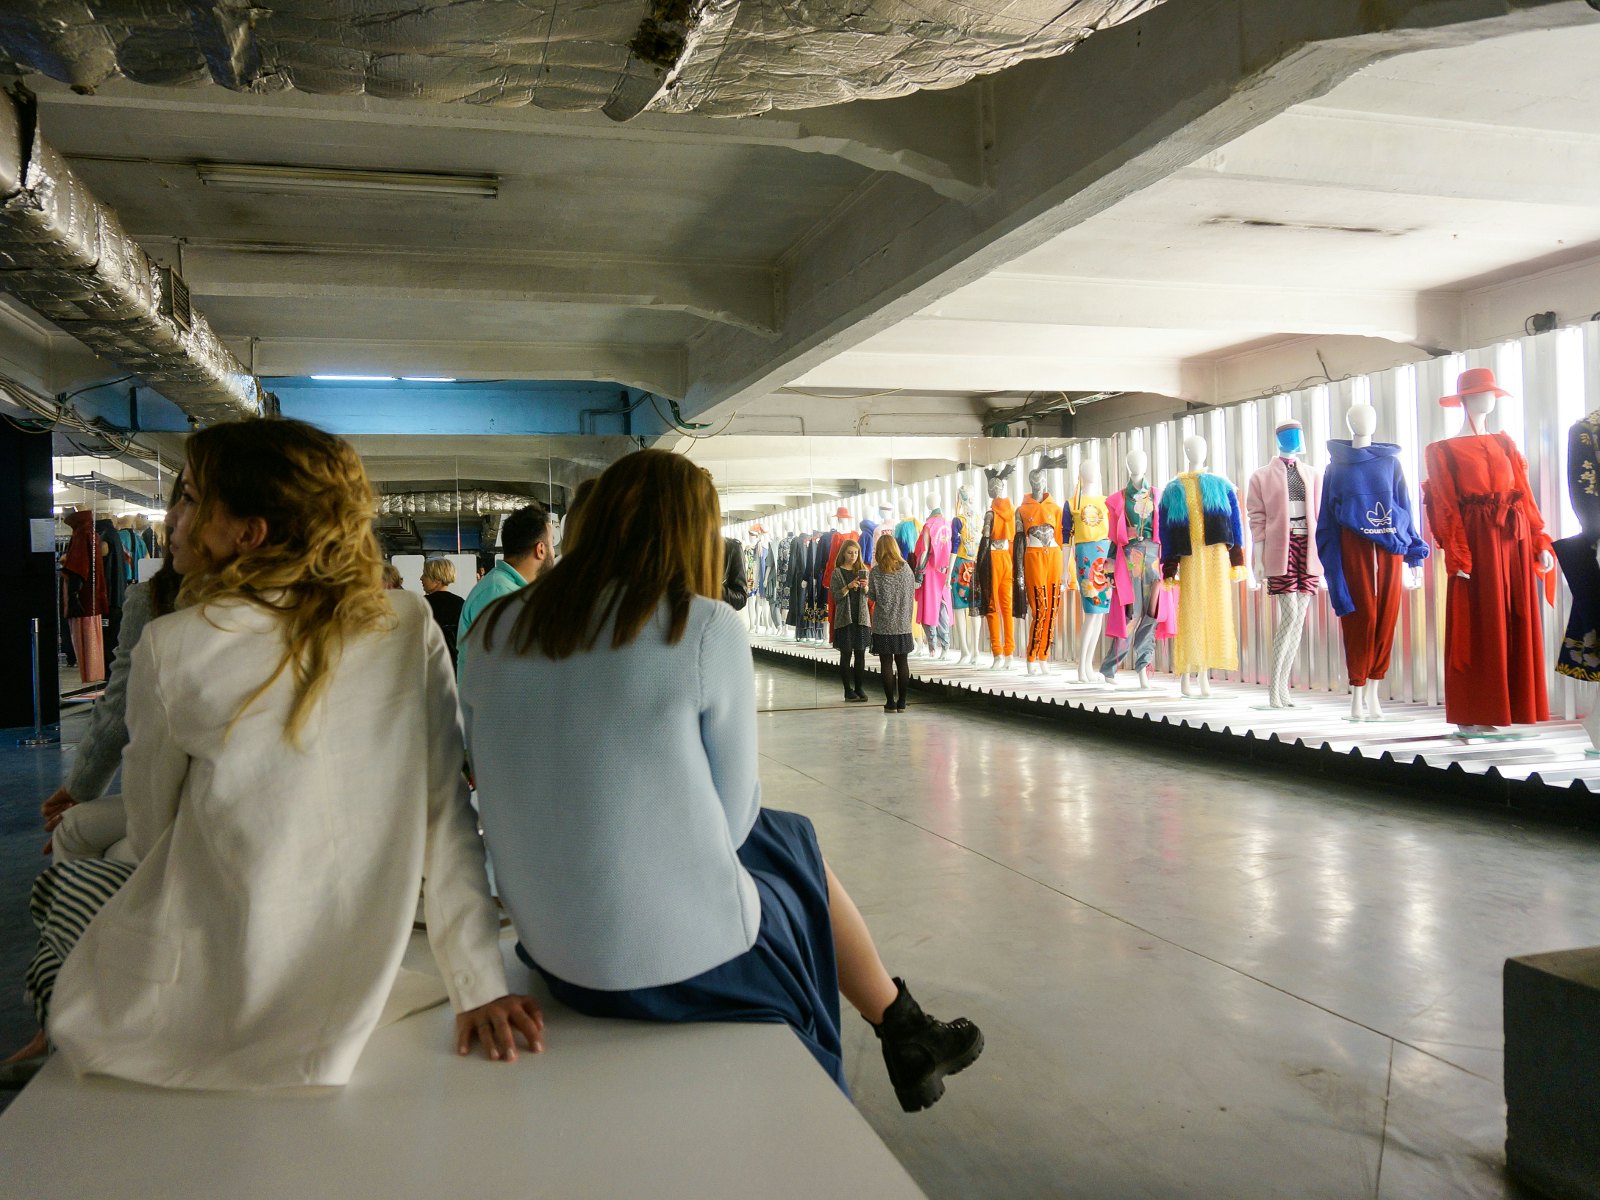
[920,1050]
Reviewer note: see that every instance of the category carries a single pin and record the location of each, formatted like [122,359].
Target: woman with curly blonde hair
[294,771]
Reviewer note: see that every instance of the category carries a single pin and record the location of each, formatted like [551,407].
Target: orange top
[1004,526]
[1043,511]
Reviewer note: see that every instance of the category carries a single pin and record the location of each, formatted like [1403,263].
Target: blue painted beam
[467,407]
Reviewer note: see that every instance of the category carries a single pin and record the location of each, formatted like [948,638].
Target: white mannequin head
[1195,451]
[1089,476]
[1362,421]
[1138,464]
[935,501]
[964,496]
[1036,481]
[1478,406]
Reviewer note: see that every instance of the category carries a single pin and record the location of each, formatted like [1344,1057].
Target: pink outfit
[1122,590]
[932,553]
[1267,504]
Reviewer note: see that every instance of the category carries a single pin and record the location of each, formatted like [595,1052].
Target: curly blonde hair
[319,568]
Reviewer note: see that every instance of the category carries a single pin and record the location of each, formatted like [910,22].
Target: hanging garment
[1482,515]
[1579,657]
[1040,522]
[1202,546]
[869,530]
[1001,597]
[1372,575]
[905,533]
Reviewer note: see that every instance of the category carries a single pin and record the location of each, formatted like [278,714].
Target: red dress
[1481,513]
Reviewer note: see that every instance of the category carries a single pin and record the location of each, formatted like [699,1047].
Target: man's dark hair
[523,530]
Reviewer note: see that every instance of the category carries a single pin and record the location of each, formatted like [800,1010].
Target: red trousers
[1373,576]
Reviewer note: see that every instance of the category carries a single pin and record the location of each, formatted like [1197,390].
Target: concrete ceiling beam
[656,369]
[1401,316]
[1013,373]
[930,138]
[1412,156]
[1187,79]
[731,294]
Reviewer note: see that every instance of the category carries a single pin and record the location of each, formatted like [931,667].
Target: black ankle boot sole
[926,1092]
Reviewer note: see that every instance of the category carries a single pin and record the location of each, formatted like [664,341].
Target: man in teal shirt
[527,541]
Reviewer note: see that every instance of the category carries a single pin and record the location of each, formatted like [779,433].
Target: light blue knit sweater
[615,787]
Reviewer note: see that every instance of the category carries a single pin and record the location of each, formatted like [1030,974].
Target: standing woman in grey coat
[892,590]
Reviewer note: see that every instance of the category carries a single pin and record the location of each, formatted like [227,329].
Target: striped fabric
[65,899]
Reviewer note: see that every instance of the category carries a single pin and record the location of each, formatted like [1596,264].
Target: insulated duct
[65,255]
[449,504]
[717,57]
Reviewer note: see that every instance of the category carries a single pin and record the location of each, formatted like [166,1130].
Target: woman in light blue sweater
[630,847]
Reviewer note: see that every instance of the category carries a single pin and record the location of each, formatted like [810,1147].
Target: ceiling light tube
[265,177]
[428,378]
[354,378]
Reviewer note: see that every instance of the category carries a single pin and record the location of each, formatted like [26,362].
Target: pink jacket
[1166,599]
[1267,506]
[932,554]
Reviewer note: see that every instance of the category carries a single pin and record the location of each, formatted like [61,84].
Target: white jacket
[257,941]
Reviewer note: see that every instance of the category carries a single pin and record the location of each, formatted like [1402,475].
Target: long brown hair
[860,563]
[319,568]
[658,537]
[887,555]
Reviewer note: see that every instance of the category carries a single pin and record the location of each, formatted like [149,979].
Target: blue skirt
[789,977]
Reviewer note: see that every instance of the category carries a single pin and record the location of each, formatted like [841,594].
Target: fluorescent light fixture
[429,378]
[266,177]
[58,488]
[354,378]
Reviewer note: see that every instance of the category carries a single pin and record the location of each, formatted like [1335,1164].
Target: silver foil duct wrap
[449,504]
[66,256]
[718,57]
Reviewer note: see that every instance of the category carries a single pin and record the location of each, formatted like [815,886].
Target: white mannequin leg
[1143,674]
[1374,705]
[1088,642]
[1358,702]
[1286,637]
[1591,723]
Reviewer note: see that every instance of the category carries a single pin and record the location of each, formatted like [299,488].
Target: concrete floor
[1194,980]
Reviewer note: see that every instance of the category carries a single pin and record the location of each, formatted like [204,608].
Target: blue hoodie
[1364,491]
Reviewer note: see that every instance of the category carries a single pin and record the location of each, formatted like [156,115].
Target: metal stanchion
[39,738]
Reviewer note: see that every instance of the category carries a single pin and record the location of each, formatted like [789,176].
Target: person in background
[391,577]
[891,587]
[643,876]
[527,543]
[852,619]
[293,770]
[735,587]
[437,576]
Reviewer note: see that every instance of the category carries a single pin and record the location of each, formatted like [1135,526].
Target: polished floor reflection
[1196,980]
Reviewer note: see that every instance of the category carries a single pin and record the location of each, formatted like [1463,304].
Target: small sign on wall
[42,534]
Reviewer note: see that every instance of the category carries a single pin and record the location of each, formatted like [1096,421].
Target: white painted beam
[1412,156]
[1500,311]
[1011,373]
[1294,363]
[931,138]
[657,369]
[1187,79]
[741,296]
[1169,304]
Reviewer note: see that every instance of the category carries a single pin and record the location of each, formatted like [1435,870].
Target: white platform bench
[611,1109]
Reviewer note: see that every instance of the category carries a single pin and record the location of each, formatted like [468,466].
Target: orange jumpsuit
[1002,627]
[1040,522]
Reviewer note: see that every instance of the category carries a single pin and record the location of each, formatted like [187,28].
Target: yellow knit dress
[1207,636]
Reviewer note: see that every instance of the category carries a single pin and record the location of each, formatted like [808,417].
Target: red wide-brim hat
[1476,382]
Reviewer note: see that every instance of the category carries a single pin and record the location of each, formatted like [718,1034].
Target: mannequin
[999,528]
[1365,528]
[84,585]
[1202,551]
[1141,609]
[1579,556]
[1091,573]
[760,549]
[1039,522]
[906,530]
[964,541]
[787,559]
[932,557]
[1282,503]
[1481,512]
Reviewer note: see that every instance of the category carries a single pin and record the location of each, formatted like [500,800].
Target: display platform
[1543,769]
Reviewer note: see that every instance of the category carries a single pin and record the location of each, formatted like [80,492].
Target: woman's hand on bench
[497,1025]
